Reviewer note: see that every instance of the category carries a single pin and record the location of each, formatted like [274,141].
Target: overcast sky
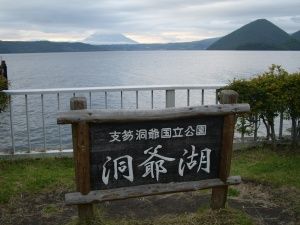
[146,21]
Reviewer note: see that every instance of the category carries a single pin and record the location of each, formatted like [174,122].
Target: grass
[277,168]
[204,216]
[232,192]
[261,165]
[34,175]
[49,210]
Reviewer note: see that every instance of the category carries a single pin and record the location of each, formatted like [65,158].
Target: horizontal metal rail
[201,94]
[16,108]
[113,89]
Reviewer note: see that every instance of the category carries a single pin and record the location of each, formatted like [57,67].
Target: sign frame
[80,118]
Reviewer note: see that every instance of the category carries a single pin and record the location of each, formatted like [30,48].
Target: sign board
[130,153]
[139,153]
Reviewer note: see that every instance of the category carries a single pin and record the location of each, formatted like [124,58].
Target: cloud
[156,20]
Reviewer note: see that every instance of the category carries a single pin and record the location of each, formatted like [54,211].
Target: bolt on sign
[130,153]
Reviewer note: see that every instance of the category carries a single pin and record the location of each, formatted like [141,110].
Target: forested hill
[47,46]
[296,35]
[257,35]
[43,46]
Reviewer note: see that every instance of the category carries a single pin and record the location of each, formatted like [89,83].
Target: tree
[270,98]
[265,95]
[291,94]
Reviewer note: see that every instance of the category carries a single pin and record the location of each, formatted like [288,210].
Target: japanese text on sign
[154,133]
[156,164]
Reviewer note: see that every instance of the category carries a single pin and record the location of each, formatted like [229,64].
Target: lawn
[262,165]
[38,177]
[34,176]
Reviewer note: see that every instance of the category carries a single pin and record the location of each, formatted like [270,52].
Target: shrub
[269,94]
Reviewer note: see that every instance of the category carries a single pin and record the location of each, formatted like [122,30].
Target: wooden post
[255,127]
[280,125]
[4,69]
[80,133]
[219,194]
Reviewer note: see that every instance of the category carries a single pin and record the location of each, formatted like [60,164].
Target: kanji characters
[121,165]
[154,165]
[191,160]
[155,133]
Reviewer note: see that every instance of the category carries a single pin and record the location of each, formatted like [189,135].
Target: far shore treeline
[258,35]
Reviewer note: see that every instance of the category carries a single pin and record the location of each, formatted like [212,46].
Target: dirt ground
[265,204]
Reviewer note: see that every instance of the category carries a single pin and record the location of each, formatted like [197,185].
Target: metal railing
[153,96]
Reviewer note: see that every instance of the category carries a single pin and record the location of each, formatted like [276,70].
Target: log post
[219,194]
[4,69]
[3,73]
[80,134]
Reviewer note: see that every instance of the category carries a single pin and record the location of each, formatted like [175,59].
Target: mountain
[296,35]
[48,46]
[193,45]
[258,35]
[108,39]
[43,46]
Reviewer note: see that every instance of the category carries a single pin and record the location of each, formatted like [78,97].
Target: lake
[90,69]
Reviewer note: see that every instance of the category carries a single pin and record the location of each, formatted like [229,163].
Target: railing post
[11,126]
[280,125]
[217,96]
[243,129]
[43,122]
[80,138]
[152,102]
[255,127]
[105,96]
[188,97]
[170,98]
[121,99]
[219,194]
[136,99]
[27,124]
[59,129]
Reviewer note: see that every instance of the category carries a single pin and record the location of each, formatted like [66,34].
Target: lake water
[90,69]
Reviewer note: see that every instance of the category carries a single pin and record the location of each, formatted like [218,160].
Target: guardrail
[165,95]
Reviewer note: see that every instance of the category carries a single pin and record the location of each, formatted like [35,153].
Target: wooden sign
[129,153]
[139,153]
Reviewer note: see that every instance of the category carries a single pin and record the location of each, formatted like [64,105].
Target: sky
[145,21]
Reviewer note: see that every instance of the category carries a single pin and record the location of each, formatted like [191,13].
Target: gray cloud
[140,17]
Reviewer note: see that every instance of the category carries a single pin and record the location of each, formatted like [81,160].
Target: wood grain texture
[219,194]
[80,137]
[146,190]
[103,116]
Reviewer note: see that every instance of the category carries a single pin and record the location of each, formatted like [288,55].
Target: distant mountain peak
[108,39]
[260,34]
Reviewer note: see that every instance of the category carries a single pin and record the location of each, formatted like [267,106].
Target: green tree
[266,99]
[291,94]
[270,99]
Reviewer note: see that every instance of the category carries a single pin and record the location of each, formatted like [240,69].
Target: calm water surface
[84,69]
[89,69]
